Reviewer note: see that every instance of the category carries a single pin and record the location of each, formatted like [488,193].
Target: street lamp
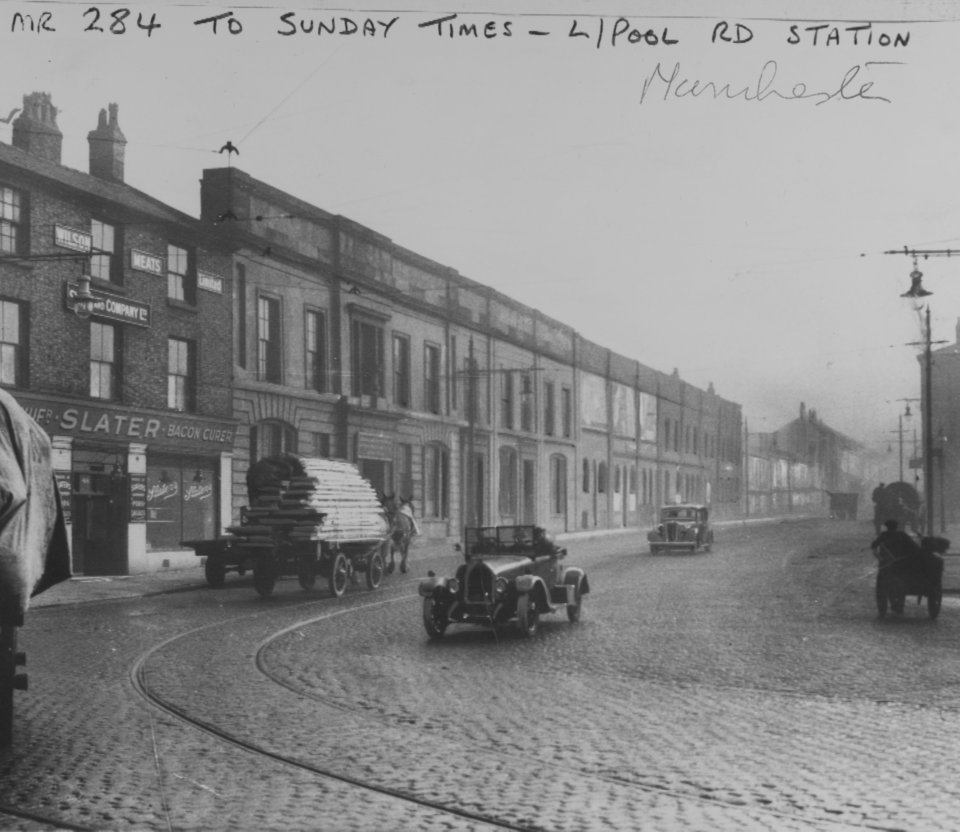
[83,299]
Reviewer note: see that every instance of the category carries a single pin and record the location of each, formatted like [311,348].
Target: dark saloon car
[509,573]
[684,526]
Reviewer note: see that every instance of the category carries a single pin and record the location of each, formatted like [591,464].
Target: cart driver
[897,542]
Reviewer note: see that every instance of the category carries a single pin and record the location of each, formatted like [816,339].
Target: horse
[403,528]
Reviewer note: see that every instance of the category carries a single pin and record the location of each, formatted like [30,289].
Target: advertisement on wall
[648,417]
[624,411]
[593,401]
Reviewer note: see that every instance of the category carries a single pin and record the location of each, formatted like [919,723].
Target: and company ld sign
[114,307]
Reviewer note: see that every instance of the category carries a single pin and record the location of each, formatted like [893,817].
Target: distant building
[136,397]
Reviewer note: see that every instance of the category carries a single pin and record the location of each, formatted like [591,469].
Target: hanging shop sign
[65,237]
[143,262]
[114,307]
[210,282]
[173,431]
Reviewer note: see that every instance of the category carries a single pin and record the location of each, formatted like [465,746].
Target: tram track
[139,682]
[687,792]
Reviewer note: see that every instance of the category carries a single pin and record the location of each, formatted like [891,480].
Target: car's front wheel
[528,615]
[435,619]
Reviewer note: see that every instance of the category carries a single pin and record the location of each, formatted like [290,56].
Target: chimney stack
[107,145]
[35,129]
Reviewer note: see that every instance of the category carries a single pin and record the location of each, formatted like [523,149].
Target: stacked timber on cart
[305,498]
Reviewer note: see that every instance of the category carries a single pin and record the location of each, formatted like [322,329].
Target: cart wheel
[933,602]
[435,619]
[375,570]
[339,574]
[881,598]
[264,576]
[306,573]
[528,616]
[215,571]
[573,610]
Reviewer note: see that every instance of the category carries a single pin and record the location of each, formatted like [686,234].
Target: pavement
[87,589]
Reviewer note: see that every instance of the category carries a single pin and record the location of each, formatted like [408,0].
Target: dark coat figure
[34,552]
[895,544]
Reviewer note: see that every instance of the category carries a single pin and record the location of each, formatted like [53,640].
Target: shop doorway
[99,523]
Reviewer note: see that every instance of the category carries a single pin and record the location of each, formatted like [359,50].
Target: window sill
[182,305]
[108,286]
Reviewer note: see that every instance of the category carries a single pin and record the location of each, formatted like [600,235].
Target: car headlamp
[500,588]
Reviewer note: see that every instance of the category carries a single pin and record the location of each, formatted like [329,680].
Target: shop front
[136,483]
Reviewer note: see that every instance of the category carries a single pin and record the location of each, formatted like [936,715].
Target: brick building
[135,395]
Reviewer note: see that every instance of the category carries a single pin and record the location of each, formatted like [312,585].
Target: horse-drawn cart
[307,518]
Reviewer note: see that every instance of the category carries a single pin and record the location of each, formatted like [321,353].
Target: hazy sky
[738,239]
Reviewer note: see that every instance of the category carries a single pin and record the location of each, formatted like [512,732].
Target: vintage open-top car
[509,572]
[683,526]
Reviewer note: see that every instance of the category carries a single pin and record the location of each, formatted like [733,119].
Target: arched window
[602,478]
[271,437]
[586,476]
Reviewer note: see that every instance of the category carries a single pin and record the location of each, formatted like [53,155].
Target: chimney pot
[107,147]
[35,129]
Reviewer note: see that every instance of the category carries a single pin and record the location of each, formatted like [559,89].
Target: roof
[85,184]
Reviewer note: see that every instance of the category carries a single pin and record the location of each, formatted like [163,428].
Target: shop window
[316,348]
[13,343]
[558,484]
[181,501]
[12,236]
[181,280]
[104,361]
[268,339]
[431,378]
[104,264]
[401,370]
[367,358]
[435,481]
[508,482]
[181,375]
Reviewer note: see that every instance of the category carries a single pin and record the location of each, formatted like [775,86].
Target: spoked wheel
[528,616]
[881,599]
[339,575]
[307,573]
[264,576]
[435,619]
[573,610]
[933,602]
[215,571]
[375,570]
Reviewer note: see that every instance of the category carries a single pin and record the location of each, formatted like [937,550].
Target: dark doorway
[100,524]
[378,473]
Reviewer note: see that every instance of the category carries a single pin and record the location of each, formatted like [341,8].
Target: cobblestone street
[749,688]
